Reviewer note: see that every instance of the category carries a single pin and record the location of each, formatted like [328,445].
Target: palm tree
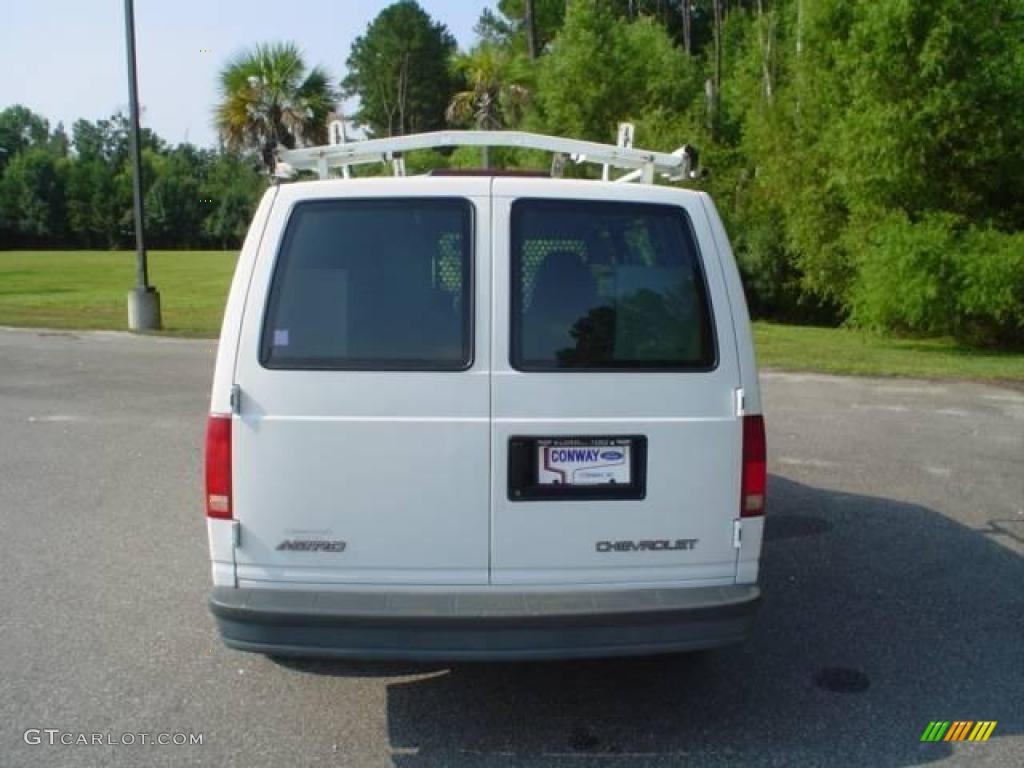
[269,98]
[492,100]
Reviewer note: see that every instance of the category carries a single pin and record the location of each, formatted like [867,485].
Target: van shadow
[879,616]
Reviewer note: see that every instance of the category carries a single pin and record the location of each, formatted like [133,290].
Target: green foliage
[108,139]
[269,97]
[505,26]
[474,157]
[32,204]
[194,198]
[883,149]
[933,116]
[602,71]
[20,129]
[424,161]
[495,96]
[990,299]
[234,188]
[399,70]
[939,276]
[906,273]
[772,280]
[173,205]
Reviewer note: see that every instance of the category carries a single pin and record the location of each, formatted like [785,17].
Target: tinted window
[607,285]
[372,284]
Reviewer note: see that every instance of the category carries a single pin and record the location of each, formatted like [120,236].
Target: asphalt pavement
[893,574]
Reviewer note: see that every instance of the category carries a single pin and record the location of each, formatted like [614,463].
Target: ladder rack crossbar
[675,166]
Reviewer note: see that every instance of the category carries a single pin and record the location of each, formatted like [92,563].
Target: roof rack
[642,164]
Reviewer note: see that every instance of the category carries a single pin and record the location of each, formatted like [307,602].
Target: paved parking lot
[893,573]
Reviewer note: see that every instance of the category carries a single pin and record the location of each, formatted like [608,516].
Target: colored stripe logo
[959,730]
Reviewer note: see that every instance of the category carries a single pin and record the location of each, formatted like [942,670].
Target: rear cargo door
[361,444]
[615,436]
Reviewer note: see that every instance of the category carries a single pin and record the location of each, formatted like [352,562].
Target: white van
[485,417]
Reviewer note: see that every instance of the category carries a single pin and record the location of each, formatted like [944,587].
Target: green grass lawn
[836,350]
[87,289]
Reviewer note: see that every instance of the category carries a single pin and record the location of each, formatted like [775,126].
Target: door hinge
[236,399]
[741,402]
[236,533]
[737,533]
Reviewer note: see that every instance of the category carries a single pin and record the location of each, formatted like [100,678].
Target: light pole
[143,299]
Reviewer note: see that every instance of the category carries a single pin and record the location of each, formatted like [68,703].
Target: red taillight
[218,466]
[755,467]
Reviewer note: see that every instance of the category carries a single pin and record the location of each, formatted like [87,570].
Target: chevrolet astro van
[484,416]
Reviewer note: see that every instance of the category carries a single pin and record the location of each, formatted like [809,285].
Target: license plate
[604,461]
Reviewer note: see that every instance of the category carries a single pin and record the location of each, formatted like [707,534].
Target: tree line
[61,191]
[864,153]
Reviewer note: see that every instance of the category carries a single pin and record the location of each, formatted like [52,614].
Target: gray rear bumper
[479,625]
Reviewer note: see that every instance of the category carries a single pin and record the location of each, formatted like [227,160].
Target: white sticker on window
[281,338]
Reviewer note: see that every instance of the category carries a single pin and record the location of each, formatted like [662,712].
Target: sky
[65,59]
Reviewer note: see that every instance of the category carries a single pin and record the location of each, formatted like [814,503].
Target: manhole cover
[842,680]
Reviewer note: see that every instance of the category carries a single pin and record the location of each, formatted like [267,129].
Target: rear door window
[607,286]
[379,284]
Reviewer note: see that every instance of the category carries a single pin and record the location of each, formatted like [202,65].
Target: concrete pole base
[144,309]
